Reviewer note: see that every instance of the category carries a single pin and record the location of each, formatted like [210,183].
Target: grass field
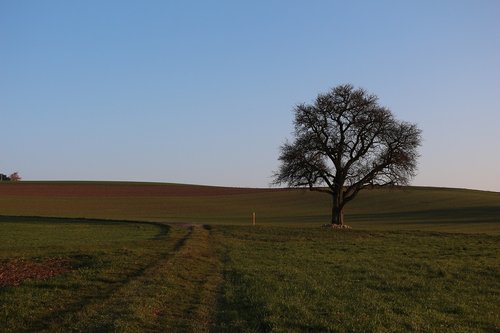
[418,259]
[307,280]
[406,208]
[122,277]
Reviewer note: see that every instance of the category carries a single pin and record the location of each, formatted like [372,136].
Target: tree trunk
[337,212]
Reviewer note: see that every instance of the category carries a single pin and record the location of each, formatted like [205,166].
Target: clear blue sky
[202,91]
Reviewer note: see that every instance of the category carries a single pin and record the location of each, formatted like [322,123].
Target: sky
[202,92]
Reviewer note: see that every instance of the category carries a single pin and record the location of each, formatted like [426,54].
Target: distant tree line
[14,177]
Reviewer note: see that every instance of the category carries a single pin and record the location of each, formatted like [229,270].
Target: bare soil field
[119,189]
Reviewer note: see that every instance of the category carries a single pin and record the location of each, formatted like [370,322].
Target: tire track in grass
[64,320]
[175,294]
[198,276]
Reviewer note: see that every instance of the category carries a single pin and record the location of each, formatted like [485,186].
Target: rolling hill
[399,208]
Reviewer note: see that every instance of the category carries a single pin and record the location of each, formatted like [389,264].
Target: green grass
[26,237]
[306,280]
[131,277]
[418,259]
[126,277]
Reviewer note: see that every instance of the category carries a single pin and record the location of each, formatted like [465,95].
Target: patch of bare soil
[14,272]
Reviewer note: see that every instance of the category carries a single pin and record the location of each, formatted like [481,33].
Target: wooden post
[253,218]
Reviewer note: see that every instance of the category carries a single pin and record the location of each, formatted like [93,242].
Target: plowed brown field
[91,189]
[137,201]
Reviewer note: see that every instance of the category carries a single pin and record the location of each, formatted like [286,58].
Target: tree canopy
[13,177]
[344,142]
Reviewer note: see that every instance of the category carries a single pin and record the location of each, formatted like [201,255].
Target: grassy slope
[409,208]
[285,275]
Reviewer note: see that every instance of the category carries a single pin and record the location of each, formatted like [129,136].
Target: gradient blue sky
[202,91]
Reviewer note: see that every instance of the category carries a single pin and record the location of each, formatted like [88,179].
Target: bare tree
[15,177]
[347,141]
